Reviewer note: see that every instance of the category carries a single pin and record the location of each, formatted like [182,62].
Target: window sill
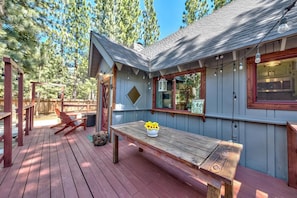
[173,112]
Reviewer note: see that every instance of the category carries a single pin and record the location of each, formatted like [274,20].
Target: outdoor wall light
[162,85]
[283,23]
[240,66]
[283,26]
[149,85]
[258,56]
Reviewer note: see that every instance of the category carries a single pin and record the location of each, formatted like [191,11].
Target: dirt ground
[46,117]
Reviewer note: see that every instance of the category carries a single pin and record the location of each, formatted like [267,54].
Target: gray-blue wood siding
[262,132]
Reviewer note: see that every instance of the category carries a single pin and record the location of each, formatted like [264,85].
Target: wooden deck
[51,165]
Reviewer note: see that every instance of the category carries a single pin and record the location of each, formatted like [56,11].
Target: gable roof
[119,53]
[240,24]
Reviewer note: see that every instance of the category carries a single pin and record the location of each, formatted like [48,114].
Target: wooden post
[292,154]
[27,120]
[20,109]
[99,104]
[62,99]
[213,192]
[7,156]
[33,104]
[229,190]
[115,148]
[31,117]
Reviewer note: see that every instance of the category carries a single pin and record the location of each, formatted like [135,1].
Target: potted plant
[152,128]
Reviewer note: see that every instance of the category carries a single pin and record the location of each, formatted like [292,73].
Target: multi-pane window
[276,80]
[272,84]
[183,90]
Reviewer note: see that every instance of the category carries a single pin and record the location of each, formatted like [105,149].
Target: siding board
[194,125]
[262,132]
[256,147]
[281,157]
[271,150]
[210,128]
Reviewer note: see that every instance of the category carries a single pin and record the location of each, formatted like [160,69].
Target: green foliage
[103,17]
[194,10]
[118,20]
[49,39]
[19,32]
[220,3]
[150,28]
[76,45]
[127,20]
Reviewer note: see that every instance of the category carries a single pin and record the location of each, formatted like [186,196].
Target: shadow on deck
[51,165]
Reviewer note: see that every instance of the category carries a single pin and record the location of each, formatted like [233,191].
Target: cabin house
[230,75]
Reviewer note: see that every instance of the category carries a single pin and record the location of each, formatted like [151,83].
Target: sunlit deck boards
[51,165]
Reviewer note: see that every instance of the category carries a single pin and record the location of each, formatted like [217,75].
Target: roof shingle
[240,24]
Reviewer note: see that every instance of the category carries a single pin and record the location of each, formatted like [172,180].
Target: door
[105,104]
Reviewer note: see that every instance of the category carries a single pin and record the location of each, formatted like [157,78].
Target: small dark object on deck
[91,119]
[100,138]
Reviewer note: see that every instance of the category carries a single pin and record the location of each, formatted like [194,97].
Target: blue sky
[169,14]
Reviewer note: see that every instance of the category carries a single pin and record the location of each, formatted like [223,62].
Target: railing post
[31,117]
[7,156]
[32,103]
[20,109]
[27,121]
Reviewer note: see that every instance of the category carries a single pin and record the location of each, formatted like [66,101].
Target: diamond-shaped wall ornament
[134,94]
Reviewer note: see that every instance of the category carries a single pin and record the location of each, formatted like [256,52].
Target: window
[272,84]
[183,89]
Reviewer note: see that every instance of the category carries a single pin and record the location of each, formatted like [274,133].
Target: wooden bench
[211,160]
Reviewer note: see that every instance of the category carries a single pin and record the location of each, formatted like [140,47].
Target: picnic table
[211,160]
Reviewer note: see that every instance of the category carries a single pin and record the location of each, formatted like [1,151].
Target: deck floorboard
[70,166]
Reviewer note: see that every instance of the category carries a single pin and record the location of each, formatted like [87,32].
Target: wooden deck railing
[7,135]
[29,115]
[82,106]
[9,67]
[7,138]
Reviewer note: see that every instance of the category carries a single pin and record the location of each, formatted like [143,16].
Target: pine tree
[78,28]
[19,32]
[51,67]
[2,7]
[118,19]
[127,20]
[220,3]
[195,9]
[104,17]
[151,30]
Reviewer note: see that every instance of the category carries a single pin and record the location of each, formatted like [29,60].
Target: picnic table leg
[115,148]
[229,190]
[213,192]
